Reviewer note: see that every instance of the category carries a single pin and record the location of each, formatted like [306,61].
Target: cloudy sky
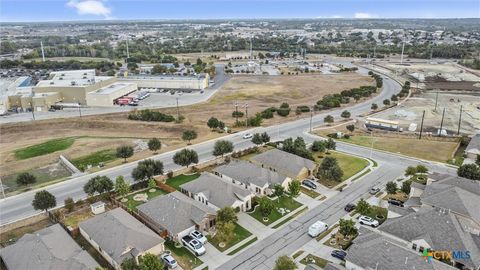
[64,10]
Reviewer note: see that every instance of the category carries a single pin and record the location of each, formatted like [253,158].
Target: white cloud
[90,7]
[363,15]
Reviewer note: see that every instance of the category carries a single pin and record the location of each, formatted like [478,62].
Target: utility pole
[246,114]
[371,146]
[236,113]
[311,118]
[460,120]
[31,108]
[79,110]
[403,48]
[178,111]
[1,187]
[43,52]
[421,125]
[441,123]
[436,102]
[128,53]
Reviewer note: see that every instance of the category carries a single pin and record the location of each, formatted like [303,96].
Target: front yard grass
[44,148]
[340,241]
[240,234]
[185,258]
[350,165]
[181,179]
[243,246]
[131,204]
[399,195]
[320,262]
[285,202]
[376,211]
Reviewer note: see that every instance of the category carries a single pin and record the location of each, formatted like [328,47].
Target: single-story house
[176,215]
[47,249]
[371,250]
[119,236]
[473,149]
[216,193]
[285,163]
[251,176]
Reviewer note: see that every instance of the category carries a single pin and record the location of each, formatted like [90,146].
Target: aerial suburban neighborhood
[246,135]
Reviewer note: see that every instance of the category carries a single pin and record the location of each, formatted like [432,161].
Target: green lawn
[94,159]
[243,246]
[320,262]
[350,165]
[378,211]
[184,257]
[284,202]
[179,180]
[132,204]
[240,234]
[44,148]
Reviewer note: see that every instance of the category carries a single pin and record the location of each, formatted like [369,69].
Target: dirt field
[95,133]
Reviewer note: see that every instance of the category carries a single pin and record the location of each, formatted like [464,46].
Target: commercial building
[196,82]
[106,95]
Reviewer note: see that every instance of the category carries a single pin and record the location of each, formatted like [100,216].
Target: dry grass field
[95,133]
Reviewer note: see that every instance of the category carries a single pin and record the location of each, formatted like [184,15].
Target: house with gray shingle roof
[473,149]
[175,215]
[217,193]
[119,236]
[285,163]
[371,250]
[251,176]
[47,249]
[437,229]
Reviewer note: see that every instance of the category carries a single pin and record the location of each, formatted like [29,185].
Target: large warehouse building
[85,88]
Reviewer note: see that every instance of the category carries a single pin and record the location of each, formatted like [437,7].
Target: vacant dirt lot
[95,133]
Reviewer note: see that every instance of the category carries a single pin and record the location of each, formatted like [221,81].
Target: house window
[258,190]
[421,249]
[414,246]
[233,181]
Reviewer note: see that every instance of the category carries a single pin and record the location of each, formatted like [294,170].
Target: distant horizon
[38,11]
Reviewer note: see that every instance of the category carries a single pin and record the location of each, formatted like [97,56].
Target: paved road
[156,100]
[18,207]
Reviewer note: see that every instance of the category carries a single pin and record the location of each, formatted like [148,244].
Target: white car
[247,136]
[364,220]
[169,260]
[199,236]
[194,245]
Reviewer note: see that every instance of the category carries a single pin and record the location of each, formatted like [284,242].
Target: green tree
[69,204]
[477,160]
[386,102]
[265,137]
[150,262]
[98,184]
[284,263]
[318,146]
[154,145]
[25,179]
[257,139]
[422,168]
[329,169]
[185,157]
[284,109]
[406,186]
[350,128]
[227,214]
[152,183]
[347,227]
[146,169]
[391,187]
[363,207]
[394,98]
[411,170]
[212,123]
[470,171]
[331,144]
[278,190]
[124,151]
[294,188]
[129,264]
[328,119]
[121,187]
[345,114]
[189,135]
[225,232]
[265,206]
[374,106]
[44,200]
[222,147]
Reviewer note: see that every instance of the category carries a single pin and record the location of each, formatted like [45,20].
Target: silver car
[169,260]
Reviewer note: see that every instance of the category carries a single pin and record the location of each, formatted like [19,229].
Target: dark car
[395,202]
[349,207]
[309,183]
[340,254]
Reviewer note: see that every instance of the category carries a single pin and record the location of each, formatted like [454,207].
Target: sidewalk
[254,226]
